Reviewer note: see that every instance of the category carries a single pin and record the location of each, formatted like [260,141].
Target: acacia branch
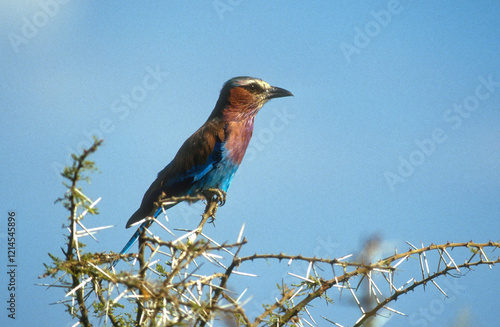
[287,294]
[364,270]
[423,281]
[73,174]
[184,294]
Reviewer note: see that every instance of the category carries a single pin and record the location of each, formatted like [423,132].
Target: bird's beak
[277,92]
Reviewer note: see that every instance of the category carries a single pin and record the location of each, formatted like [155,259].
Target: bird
[210,157]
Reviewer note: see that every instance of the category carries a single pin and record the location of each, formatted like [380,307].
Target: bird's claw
[215,194]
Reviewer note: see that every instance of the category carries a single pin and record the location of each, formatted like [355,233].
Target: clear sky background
[394,129]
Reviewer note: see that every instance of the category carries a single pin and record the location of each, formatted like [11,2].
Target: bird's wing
[196,157]
[199,154]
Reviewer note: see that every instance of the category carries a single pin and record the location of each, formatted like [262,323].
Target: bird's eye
[253,87]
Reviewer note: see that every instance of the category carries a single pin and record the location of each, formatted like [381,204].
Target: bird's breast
[235,142]
[238,135]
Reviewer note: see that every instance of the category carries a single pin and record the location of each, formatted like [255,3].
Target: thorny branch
[169,284]
[72,200]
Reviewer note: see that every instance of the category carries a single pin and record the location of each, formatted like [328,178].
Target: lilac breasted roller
[209,158]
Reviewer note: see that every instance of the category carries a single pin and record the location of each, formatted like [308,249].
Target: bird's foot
[215,194]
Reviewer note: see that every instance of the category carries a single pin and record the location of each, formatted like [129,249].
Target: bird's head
[243,96]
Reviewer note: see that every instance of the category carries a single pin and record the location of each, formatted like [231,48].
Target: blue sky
[393,129]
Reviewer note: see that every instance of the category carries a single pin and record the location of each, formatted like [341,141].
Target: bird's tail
[136,235]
